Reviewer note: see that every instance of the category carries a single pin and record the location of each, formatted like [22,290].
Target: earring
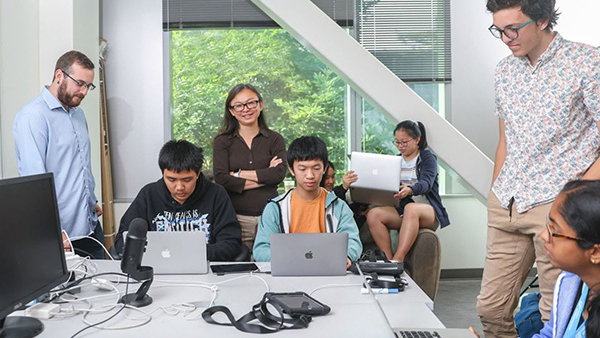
[593,261]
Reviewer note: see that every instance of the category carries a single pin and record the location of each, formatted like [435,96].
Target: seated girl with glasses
[249,159]
[572,240]
[420,202]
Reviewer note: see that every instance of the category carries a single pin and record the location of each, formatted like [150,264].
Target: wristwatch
[237,173]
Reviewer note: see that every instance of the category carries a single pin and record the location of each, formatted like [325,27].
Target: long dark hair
[230,124]
[327,166]
[581,210]
[592,326]
[415,130]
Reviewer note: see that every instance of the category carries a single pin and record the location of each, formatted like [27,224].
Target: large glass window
[302,96]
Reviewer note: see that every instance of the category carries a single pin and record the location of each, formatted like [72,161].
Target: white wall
[19,71]
[134,77]
[33,35]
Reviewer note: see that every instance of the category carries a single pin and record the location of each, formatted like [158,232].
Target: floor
[455,303]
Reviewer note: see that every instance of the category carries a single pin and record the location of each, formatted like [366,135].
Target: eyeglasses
[552,234]
[401,143]
[238,107]
[89,86]
[510,33]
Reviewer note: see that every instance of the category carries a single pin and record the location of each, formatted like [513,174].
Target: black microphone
[135,245]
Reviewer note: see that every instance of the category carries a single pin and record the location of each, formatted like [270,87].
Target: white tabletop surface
[352,314]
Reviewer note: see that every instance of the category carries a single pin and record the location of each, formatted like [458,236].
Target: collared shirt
[549,111]
[49,138]
[230,153]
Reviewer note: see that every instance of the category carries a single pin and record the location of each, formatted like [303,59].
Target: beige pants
[248,224]
[513,245]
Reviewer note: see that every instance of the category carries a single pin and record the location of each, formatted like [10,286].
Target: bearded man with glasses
[51,135]
[548,105]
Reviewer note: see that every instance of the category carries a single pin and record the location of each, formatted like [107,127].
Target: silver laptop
[417,332]
[176,252]
[433,333]
[313,254]
[378,178]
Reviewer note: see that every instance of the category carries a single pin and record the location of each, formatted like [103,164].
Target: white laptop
[378,178]
[433,333]
[309,254]
[176,252]
[417,332]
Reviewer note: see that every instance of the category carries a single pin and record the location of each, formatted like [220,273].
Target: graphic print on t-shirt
[189,220]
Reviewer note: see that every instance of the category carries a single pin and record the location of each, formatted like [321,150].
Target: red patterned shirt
[549,111]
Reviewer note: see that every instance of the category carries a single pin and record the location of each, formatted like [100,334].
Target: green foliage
[301,95]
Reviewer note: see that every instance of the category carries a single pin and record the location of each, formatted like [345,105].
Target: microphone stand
[140,298]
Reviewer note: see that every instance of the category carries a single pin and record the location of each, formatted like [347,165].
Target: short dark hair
[180,155]
[414,129]
[535,9]
[230,123]
[307,148]
[581,212]
[66,61]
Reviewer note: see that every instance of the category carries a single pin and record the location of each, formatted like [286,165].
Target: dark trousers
[87,247]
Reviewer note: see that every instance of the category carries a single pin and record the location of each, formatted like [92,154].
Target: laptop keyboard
[419,334]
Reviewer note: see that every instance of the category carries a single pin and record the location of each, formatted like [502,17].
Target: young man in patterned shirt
[548,105]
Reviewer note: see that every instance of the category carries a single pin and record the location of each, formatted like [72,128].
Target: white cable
[78,299]
[149,318]
[70,239]
[333,286]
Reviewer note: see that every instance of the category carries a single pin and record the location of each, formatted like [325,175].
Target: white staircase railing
[378,85]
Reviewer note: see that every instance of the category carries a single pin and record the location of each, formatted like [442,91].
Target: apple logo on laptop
[308,255]
[375,172]
[166,253]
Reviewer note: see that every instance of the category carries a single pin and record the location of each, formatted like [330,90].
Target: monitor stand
[20,327]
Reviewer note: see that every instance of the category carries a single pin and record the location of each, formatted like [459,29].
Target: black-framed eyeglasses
[401,143]
[553,234]
[238,107]
[89,86]
[510,32]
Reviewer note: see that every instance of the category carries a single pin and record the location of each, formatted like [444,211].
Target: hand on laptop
[349,178]
[348,263]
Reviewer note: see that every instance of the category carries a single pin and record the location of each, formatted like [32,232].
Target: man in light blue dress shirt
[51,135]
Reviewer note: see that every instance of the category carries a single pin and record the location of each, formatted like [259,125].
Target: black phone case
[321,309]
[221,269]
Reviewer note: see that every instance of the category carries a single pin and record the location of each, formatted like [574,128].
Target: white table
[352,314]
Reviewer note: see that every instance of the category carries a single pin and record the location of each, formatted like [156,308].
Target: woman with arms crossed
[249,159]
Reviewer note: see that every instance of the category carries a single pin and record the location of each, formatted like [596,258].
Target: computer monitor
[32,259]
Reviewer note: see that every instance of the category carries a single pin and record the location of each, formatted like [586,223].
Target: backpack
[529,319]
